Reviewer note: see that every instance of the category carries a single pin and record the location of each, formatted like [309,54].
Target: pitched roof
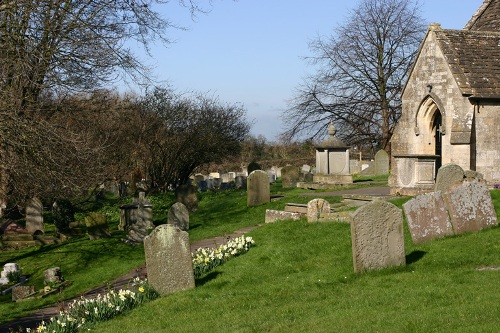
[474,60]
[486,18]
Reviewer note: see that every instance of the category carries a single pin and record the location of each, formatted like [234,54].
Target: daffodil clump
[206,259]
[85,312]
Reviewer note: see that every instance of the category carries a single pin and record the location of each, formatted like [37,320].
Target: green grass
[299,278]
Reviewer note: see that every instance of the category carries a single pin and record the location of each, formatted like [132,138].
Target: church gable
[486,18]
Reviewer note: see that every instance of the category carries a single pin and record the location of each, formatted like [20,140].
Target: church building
[451,105]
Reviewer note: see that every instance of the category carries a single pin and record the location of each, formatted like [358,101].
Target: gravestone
[8,268]
[34,217]
[199,178]
[22,292]
[240,182]
[53,275]
[290,175]
[381,163]
[377,236]
[168,259]
[306,168]
[470,206]
[178,215]
[317,207]
[186,194]
[210,184]
[473,174]
[258,188]
[427,217]
[448,176]
[202,186]
[97,226]
[280,215]
[217,183]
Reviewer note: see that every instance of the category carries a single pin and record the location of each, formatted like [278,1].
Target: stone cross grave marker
[377,236]
[168,259]
[258,188]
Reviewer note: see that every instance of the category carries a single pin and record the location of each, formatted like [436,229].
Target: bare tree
[56,47]
[361,70]
[189,131]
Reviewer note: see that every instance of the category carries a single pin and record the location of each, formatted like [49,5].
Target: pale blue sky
[251,51]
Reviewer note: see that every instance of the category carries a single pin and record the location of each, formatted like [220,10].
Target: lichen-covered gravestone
[168,259]
[427,217]
[377,236]
[448,176]
[178,215]
[317,207]
[290,175]
[34,216]
[470,207]
[258,188]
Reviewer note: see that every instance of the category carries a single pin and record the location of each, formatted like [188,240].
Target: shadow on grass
[207,278]
[415,256]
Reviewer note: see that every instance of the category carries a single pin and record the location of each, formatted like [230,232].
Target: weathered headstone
[381,163]
[97,226]
[448,176]
[210,184]
[22,292]
[186,194]
[377,236]
[473,174]
[240,182]
[178,215]
[53,275]
[168,259]
[8,269]
[202,186]
[427,217]
[470,207]
[290,175]
[315,208]
[34,216]
[279,215]
[306,168]
[258,188]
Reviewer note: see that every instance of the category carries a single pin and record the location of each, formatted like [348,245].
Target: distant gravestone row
[461,203]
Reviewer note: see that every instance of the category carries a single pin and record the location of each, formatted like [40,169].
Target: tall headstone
[317,207]
[258,188]
[290,175]
[34,216]
[381,163]
[178,215]
[377,236]
[427,217]
[168,259]
[186,194]
[448,176]
[470,206]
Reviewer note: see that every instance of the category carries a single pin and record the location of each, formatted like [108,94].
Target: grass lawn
[299,277]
